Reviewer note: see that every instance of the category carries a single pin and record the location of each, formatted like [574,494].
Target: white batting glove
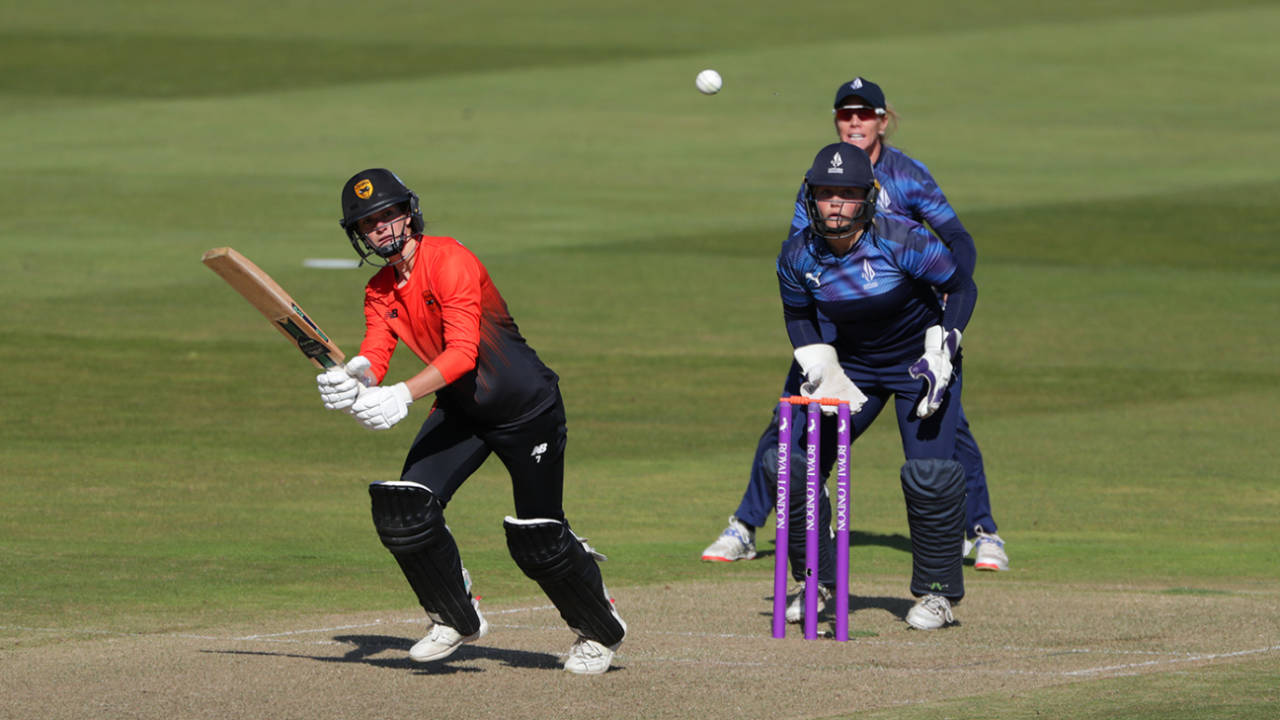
[378,408]
[934,367]
[824,378]
[339,386]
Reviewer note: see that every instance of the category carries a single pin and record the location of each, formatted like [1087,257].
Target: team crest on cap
[364,189]
[857,83]
[837,165]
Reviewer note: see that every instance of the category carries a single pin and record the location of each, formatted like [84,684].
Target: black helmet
[368,192]
[840,165]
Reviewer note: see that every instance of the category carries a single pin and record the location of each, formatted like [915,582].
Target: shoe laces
[586,648]
[444,634]
[938,605]
[986,537]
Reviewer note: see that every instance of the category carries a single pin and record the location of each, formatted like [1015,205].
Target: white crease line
[1194,658]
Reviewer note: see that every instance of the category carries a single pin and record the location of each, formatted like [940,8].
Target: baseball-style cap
[862,88]
[841,165]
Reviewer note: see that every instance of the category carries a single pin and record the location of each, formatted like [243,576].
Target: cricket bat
[272,301]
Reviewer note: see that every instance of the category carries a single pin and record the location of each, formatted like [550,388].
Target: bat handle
[358,368]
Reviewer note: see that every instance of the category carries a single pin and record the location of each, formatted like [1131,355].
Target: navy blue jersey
[909,190]
[878,298]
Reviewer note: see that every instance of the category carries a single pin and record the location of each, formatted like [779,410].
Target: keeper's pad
[410,523]
[551,555]
[934,491]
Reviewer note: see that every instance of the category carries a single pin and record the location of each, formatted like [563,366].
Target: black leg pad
[410,523]
[552,556]
[934,491]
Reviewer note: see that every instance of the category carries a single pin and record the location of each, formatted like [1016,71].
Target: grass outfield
[166,464]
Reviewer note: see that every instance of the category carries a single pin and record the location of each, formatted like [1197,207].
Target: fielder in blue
[863,118]
[876,280]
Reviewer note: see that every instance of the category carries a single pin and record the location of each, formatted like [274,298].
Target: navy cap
[863,88]
[841,165]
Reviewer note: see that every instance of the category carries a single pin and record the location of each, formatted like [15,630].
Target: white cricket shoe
[588,657]
[441,640]
[930,613]
[990,552]
[795,611]
[737,542]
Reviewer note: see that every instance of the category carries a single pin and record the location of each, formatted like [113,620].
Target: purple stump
[782,515]
[812,486]
[843,511]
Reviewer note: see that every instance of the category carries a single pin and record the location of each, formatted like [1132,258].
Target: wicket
[813,489]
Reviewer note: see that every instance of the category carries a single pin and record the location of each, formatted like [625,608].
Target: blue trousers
[759,497]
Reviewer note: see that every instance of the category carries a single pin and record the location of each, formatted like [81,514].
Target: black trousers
[449,449]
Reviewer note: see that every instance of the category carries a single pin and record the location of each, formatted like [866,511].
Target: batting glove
[825,378]
[339,386]
[934,367]
[378,408]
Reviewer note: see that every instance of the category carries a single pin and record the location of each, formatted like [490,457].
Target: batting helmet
[368,192]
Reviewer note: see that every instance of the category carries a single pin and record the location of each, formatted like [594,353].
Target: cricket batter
[873,278]
[492,395]
[863,118]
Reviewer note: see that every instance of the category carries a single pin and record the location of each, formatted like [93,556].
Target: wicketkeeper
[492,395]
[873,278]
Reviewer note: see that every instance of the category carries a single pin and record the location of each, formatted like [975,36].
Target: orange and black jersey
[450,315]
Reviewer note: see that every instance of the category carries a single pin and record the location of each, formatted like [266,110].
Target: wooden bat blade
[275,304]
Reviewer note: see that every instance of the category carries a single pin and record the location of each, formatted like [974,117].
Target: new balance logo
[537,452]
[393,313]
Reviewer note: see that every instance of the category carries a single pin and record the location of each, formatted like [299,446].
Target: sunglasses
[864,113]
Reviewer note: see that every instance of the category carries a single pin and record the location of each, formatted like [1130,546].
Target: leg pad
[551,555]
[934,491]
[410,523]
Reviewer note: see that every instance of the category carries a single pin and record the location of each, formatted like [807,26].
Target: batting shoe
[588,657]
[990,554]
[441,640]
[737,542]
[795,611]
[930,613]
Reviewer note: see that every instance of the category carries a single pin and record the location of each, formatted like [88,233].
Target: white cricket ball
[709,82]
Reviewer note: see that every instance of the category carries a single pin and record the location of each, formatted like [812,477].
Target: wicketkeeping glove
[339,386]
[824,378]
[378,408]
[934,367]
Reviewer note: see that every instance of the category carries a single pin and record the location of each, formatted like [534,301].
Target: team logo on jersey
[537,452]
[364,189]
[868,275]
[815,279]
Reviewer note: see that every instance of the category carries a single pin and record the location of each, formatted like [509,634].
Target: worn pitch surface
[695,650]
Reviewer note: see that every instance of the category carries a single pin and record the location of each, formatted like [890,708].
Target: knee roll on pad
[410,523]
[934,491]
[548,552]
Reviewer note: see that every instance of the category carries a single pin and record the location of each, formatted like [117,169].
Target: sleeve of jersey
[379,342]
[798,310]
[932,207]
[455,282]
[928,260]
